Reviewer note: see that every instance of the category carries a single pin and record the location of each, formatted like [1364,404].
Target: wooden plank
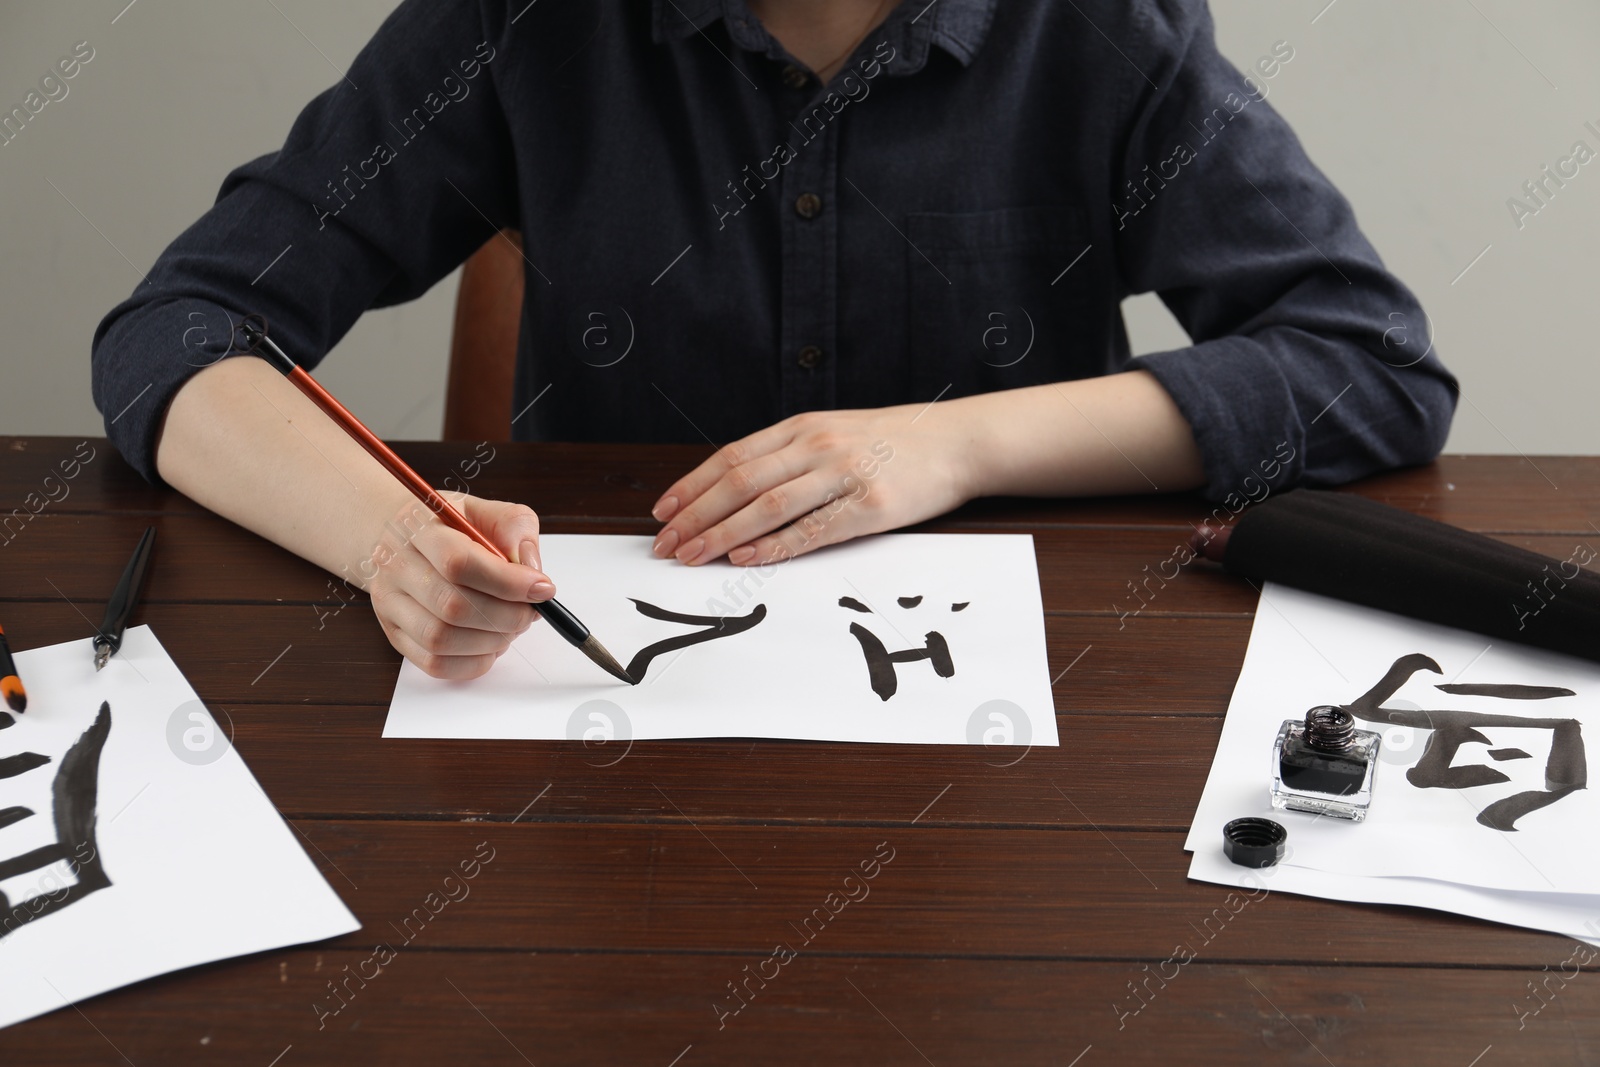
[198,558]
[303,759]
[201,558]
[558,479]
[685,887]
[1506,494]
[268,653]
[1512,494]
[1491,493]
[59,475]
[512,1009]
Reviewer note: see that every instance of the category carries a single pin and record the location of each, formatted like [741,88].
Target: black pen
[120,609]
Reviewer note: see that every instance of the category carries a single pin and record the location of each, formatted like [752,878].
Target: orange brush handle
[392,463]
[11,691]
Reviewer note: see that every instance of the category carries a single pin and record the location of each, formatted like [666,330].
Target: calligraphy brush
[565,622]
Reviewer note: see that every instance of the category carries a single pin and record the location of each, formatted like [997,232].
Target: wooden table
[625,898]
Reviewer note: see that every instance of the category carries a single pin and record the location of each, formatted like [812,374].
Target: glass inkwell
[1323,764]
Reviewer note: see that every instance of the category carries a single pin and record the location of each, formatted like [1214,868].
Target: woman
[846,235]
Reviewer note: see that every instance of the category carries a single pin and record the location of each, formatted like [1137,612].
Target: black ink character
[716,627]
[74,795]
[880,661]
[1565,772]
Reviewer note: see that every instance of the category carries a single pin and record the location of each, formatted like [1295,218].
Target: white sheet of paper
[798,673]
[1575,916]
[201,865]
[1307,650]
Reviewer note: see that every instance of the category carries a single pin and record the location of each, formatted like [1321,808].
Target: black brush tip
[597,652]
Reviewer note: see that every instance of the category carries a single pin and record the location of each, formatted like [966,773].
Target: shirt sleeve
[387,181]
[1310,360]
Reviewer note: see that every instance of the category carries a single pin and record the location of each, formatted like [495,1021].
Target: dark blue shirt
[715,241]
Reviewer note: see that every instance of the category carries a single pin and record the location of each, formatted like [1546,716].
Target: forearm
[239,439]
[1120,433]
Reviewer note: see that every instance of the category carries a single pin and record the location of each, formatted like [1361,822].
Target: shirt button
[808,205]
[794,77]
[809,356]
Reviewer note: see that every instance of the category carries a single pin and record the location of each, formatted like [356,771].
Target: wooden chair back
[483,345]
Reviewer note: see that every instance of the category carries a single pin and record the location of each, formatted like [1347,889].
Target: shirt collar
[957,26]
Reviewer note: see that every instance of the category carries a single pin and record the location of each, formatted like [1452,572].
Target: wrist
[966,426]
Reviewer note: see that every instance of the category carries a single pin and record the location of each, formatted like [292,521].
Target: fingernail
[542,590]
[528,555]
[742,555]
[665,508]
[665,543]
[691,551]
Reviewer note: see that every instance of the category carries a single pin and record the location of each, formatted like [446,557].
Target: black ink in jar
[1323,764]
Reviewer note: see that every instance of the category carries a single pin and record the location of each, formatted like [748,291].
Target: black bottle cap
[1254,842]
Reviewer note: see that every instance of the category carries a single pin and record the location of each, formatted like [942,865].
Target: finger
[735,489]
[411,572]
[745,450]
[460,605]
[514,527]
[467,565]
[434,635]
[837,520]
[768,512]
[458,668]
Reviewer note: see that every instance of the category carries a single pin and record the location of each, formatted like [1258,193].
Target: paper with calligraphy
[921,638]
[1482,774]
[133,839]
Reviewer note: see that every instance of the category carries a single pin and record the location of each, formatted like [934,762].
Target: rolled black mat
[1355,549]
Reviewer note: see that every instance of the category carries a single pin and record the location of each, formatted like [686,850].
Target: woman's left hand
[816,479]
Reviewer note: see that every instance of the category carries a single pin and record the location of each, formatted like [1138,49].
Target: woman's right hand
[445,602]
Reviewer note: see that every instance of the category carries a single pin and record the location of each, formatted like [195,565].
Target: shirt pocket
[1000,300]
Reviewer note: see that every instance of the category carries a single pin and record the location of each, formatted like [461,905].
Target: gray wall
[1429,115]
[178,94]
